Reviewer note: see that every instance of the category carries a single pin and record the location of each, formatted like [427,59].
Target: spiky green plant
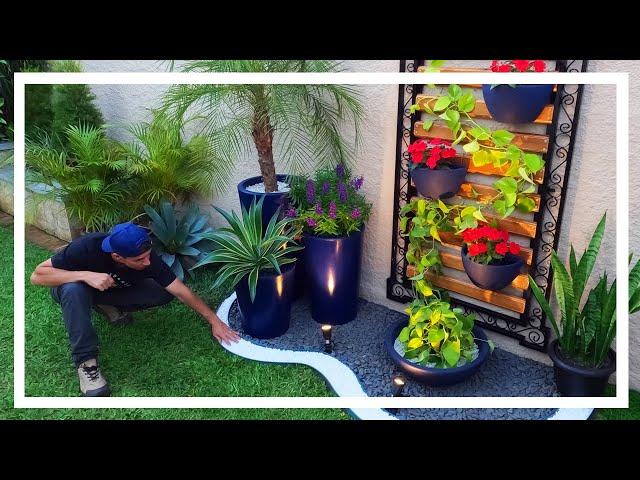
[300,122]
[244,250]
[585,334]
[167,167]
[180,243]
[89,178]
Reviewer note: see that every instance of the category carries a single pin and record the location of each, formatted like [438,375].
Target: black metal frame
[530,327]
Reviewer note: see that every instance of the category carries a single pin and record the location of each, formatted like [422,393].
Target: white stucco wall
[591,188]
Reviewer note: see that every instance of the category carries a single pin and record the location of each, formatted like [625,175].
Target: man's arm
[47,275]
[220,330]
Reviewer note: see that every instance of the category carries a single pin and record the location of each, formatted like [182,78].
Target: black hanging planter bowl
[493,276]
[574,380]
[439,183]
[436,377]
[518,104]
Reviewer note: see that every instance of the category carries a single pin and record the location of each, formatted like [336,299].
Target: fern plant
[166,166]
[300,122]
[89,177]
[180,243]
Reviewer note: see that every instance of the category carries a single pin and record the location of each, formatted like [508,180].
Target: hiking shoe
[92,383]
[113,315]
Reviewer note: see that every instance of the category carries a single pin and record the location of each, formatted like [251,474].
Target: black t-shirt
[85,253]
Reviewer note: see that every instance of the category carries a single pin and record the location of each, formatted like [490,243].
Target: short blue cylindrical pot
[439,183]
[492,277]
[272,200]
[269,314]
[519,104]
[332,270]
[436,377]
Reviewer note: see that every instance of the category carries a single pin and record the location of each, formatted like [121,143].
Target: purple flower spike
[291,213]
[357,183]
[325,188]
[342,192]
[340,170]
[311,191]
[311,222]
[318,209]
[356,213]
[332,210]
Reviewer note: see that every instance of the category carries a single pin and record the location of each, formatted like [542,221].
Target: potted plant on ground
[257,262]
[440,345]
[434,176]
[332,211]
[516,103]
[581,352]
[300,122]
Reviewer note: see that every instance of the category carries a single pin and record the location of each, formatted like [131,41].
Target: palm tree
[301,121]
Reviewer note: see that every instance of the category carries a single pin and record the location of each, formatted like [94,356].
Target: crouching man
[115,274]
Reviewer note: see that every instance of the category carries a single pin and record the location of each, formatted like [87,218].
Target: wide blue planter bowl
[438,184]
[491,277]
[519,104]
[272,200]
[436,377]
[332,272]
[269,314]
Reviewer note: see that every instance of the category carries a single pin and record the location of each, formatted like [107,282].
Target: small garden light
[326,334]
[398,386]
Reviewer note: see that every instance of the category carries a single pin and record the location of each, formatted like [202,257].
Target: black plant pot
[439,183]
[493,276]
[332,270]
[269,314]
[519,104]
[436,377]
[272,200]
[573,380]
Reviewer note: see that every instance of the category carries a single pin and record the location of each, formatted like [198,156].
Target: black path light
[398,385]
[326,334]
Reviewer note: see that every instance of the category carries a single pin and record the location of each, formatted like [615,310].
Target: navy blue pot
[332,269]
[272,200]
[492,277]
[269,314]
[436,377]
[437,183]
[519,104]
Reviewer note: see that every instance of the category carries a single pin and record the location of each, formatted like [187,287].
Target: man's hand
[223,333]
[99,281]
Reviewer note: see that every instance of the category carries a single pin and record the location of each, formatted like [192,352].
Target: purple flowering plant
[330,203]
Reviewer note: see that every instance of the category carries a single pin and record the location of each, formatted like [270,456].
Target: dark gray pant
[77,299]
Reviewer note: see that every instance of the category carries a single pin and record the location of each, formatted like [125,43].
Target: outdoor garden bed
[360,346]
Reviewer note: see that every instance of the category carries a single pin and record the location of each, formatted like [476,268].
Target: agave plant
[244,249]
[180,243]
[585,334]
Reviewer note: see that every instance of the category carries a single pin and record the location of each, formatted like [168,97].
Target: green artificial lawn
[631,413]
[167,351]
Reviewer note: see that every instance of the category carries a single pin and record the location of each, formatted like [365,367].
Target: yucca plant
[180,243]
[89,177]
[299,122]
[165,165]
[244,250]
[585,334]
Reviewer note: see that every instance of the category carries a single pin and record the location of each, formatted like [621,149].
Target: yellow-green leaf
[415,343]
[434,233]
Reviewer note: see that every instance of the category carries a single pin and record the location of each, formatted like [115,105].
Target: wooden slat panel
[526,141]
[481,111]
[510,302]
[486,193]
[490,169]
[453,241]
[521,282]
[468,70]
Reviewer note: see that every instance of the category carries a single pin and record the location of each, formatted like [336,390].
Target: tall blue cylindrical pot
[272,200]
[332,268]
[519,104]
[269,314]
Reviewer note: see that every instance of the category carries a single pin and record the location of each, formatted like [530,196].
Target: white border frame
[620,80]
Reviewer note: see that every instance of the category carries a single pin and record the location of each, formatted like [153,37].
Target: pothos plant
[488,147]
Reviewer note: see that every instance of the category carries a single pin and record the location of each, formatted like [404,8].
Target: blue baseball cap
[127,240]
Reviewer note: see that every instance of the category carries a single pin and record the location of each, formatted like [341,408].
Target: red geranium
[518,66]
[486,243]
[430,153]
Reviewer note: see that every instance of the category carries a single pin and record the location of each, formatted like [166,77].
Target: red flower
[449,153]
[514,248]
[494,65]
[502,248]
[477,249]
[432,161]
[504,68]
[521,65]
[539,65]
[504,235]
[494,235]
[469,235]
[484,231]
[416,149]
